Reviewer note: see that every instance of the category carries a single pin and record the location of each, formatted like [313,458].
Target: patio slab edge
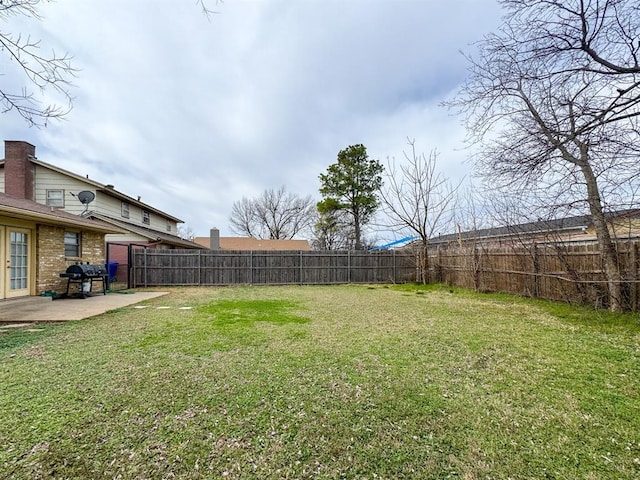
[75,308]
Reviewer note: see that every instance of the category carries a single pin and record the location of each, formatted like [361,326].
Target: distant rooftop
[250,243]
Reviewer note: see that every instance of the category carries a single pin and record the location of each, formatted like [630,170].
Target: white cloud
[193,114]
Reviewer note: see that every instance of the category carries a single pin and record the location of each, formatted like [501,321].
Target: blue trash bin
[113,268]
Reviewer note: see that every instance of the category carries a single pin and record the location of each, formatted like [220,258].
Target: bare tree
[45,72]
[418,199]
[330,231]
[553,104]
[186,233]
[275,215]
[242,218]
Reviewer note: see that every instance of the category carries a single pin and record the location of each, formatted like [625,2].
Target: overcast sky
[194,114]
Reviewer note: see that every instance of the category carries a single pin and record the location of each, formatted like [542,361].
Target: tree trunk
[357,232]
[424,264]
[607,247]
[358,245]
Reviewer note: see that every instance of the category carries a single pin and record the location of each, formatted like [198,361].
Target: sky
[193,113]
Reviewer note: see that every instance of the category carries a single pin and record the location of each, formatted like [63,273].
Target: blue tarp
[397,242]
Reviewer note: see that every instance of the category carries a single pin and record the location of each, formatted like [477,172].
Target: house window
[55,198]
[72,244]
[146,217]
[124,210]
[168,226]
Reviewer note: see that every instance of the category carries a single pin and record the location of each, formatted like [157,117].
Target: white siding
[105,204]
[110,206]
[113,208]
[2,180]
[51,180]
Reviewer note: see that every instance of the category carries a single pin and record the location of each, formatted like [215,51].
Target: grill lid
[86,270]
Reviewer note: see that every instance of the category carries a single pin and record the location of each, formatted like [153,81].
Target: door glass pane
[18,261]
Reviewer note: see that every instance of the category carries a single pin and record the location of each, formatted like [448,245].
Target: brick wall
[52,262]
[18,169]
[93,248]
[50,259]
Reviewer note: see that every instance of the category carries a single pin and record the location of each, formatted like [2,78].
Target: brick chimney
[19,171]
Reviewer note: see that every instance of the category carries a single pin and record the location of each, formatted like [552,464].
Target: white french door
[17,258]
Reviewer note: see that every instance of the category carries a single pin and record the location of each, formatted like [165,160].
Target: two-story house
[138,225]
[25,176]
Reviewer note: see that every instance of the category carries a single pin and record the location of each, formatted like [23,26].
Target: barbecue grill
[83,275]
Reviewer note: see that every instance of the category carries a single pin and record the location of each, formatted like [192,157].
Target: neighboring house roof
[250,243]
[29,210]
[107,189]
[152,235]
[564,226]
[203,241]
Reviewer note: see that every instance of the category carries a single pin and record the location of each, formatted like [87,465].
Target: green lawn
[351,382]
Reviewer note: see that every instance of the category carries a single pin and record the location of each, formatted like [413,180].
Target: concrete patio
[44,309]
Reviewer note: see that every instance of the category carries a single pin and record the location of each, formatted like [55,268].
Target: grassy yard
[349,382]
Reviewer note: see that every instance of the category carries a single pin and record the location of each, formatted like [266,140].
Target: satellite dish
[86,197]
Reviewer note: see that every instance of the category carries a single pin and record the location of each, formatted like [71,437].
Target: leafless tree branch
[206,11]
[44,72]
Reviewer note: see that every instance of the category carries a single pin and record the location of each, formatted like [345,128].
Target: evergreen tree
[350,186]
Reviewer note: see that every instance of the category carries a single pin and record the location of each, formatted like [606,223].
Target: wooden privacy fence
[571,273]
[225,267]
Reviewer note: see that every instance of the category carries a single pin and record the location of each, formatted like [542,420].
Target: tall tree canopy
[351,186]
[553,102]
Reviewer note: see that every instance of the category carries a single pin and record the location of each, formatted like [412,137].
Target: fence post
[348,266]
[475,263]
[145,266]
[633,276]
[251,267]
[536,271]
[131,270]
[301,270]
[395,276]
